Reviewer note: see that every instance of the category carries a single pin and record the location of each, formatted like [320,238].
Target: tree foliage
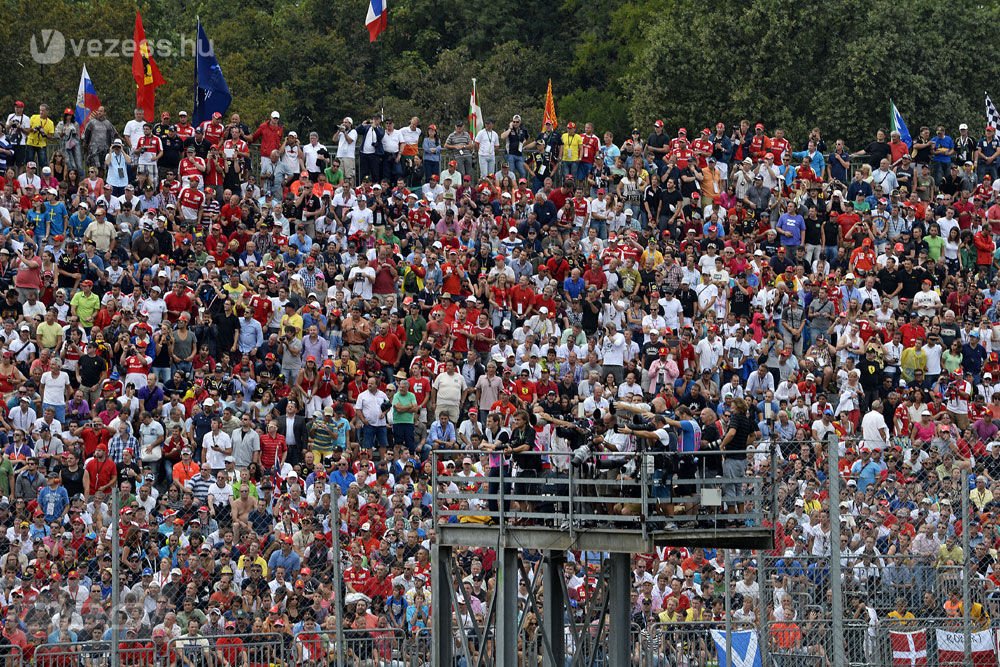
[834,65]
[790,64]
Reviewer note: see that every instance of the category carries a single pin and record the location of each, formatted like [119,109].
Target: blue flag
[746,652]
[212,95]
[899,125]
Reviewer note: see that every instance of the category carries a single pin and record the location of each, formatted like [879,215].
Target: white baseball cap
[275,114]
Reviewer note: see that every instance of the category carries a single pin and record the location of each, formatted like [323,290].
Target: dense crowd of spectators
[257,352]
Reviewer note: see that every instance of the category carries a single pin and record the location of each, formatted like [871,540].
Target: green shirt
[6,475]
[334,177]
[86,307]
[414,328]
[935,247]
[401,401]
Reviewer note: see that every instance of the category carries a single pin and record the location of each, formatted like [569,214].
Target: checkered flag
[992,115]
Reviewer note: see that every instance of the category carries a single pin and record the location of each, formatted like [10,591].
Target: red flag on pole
[550,109]
[145,72]
[909,649]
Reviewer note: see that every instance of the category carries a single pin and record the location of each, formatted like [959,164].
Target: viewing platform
[628,503]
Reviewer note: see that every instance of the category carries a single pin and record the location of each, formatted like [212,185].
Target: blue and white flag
[746,651]
[211,92]
[899,125]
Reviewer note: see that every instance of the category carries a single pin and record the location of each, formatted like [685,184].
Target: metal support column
[506,612]
[554,609]
[619,587]
[443,644]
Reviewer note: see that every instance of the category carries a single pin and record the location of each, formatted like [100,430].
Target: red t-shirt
[588,151]
[387,348]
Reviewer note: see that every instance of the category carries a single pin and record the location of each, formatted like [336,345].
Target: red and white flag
[909,649]
[951,649]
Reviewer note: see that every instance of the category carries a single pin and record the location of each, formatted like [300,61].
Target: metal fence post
[836,580]
[729,606]
[967,562]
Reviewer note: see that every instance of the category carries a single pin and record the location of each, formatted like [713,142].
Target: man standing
[461,141]
[97,138]
[370,134]
[487,142]
[515,135]
[371,407]
[42,131]
[347,141]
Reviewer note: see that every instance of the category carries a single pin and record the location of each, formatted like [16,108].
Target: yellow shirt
[238,290]
[572,146]
[655,255]
[38,140]
[48,334]
[292,321]
[902,618]
[242,563]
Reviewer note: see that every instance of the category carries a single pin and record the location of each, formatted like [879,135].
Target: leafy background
[799,64]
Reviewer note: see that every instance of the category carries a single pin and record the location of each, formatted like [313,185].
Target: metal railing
[230,649]
[638,491]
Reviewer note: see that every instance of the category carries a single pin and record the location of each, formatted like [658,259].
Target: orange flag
[145,71]
[550,109]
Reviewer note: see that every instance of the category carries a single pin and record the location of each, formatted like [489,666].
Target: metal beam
[613,540]
[553,621]
[443,643]
[506,626]
[619,590]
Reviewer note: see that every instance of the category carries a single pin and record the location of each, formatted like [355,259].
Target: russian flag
[87,101]
[378,18]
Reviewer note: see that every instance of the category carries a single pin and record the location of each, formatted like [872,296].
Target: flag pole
[197,31]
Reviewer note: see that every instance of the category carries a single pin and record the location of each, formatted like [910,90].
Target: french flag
[378,18]
[87,101]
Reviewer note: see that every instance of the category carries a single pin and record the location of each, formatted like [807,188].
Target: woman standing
[68,133]
[432,153]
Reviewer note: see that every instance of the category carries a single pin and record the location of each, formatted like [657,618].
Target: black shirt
[91,369]
[70,263]
[744,427]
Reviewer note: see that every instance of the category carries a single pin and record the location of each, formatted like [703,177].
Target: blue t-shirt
[53,502]
[690,436]
[942,142]
[57,217]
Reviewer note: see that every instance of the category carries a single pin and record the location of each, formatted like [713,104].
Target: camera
[579,438]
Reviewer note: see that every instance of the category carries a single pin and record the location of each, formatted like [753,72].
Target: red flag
[550,109]
[145,72]
[951,649]
[909,649]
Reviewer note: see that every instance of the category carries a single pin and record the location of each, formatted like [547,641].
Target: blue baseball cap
[147,572]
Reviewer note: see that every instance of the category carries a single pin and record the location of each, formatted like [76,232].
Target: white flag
[476,121]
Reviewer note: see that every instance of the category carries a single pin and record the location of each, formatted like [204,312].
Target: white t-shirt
[672,312]
[54,388]
[614,350]
[390,142]
[488,141]
[871,424]
[213,459]
[290,157]
[449,388]
[709,352]
[133,131]
[156,308]
[346,144]
[22,138]
[310,153]
[408,135]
